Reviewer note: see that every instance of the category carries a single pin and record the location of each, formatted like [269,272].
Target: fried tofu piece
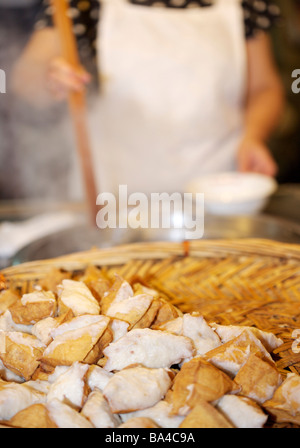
[7,299]
[7,324]
[139,288]
[76,323]
[166,312]
[149,317]
[74,340]
[196,328]
[258,379]
[284,407]
[61,415]
[102,362]
[96,281]
[41,373]
[198,379]
[8,375]
[97,411]
[150,348]
[70,386]
[139,422]
[160,414]
[174,326]
[44,328]
[204,415]
[75,295]
[130,310]
[229,332]
[54,414]
[34,416]
[97,377]
[33,307]
[15,397]
[97,351]
[242,412]
[234,353]
[203,336]
[119,291]
[20,352]
[136,388]
[119,328]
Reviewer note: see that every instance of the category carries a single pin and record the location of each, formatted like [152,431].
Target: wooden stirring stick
[77,103]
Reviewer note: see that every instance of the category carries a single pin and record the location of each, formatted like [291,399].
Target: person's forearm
[263,112]
[265,94]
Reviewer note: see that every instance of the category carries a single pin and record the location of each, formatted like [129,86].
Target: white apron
[171,107]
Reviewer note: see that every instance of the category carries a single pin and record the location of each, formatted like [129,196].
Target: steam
[38,158]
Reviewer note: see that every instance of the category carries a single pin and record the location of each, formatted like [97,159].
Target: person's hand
[62,79]
[254,156]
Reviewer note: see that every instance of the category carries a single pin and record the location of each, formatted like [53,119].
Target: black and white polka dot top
[258,15]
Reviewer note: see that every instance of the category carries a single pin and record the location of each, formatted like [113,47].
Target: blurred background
[36,145]
[286,142]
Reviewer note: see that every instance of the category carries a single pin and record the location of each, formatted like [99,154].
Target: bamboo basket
[250,282]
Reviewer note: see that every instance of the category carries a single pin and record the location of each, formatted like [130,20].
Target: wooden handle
[77,103]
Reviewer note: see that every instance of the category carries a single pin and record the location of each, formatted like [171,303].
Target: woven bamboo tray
[231,282]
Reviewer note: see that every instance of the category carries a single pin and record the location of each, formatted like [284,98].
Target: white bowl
[234,193]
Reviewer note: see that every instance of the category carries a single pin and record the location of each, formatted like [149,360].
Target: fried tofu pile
[95,352]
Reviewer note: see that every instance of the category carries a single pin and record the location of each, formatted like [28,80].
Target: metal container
[81,238]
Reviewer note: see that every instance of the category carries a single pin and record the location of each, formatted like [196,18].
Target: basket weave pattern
[232,282]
